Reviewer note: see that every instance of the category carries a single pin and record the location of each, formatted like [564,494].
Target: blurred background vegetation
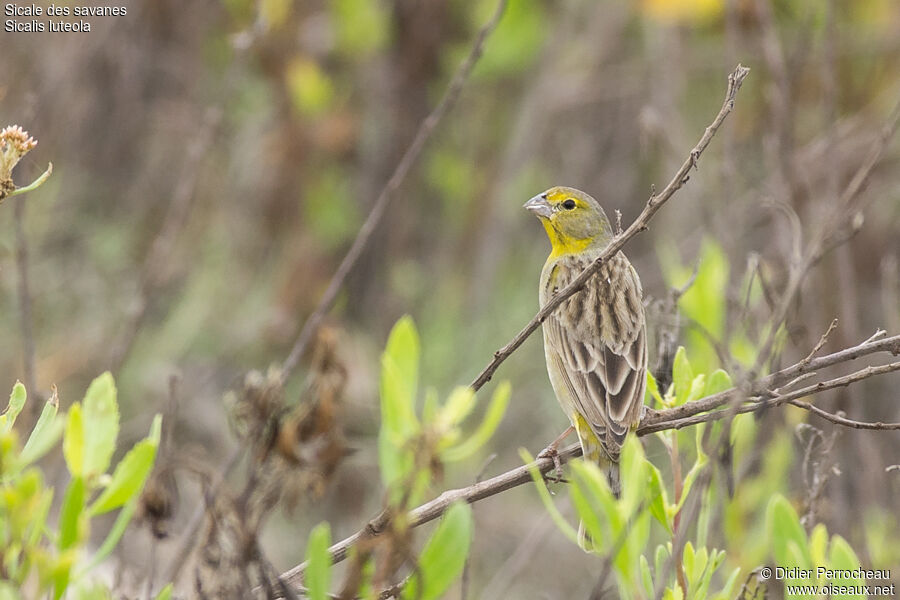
[214,160]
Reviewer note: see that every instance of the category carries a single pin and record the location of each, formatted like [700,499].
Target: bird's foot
[552,452]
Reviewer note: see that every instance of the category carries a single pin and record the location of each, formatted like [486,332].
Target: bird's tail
[595,452]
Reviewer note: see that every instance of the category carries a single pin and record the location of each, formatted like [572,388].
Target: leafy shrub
[38,557]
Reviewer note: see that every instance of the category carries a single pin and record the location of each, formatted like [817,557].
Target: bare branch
[159,256]
[26,324]
[840,419]
[821,241]
[426,128]
[821,341]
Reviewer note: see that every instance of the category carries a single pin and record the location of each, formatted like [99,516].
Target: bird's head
[574,220]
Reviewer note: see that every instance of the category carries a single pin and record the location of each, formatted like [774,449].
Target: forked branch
[692,413]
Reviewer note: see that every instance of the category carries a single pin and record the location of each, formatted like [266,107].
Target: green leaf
[590,510]
[45,434]
[646,577]
[309,86]
[652,391]
[128,478]
[70,514]
[113,537]
[704,517]
[658,498]
[698,385]
[842,557]
[430,406]
[403,351]
[743,435]
[818,542]
[101,419]
[318,571]
[444,555]
[718,381]
[660,557]
[60,571]
[673,593]
[458,406]
[492,417]
[15,406]
[591,478]
[784,528]
[689,482]
[39,518]
[682,376]
[727,592]
[165,593]
[634,477]
[701,559]
[399,375]
[544,493]
[155,429]
[362,26]
[8,591]
[687,560]
[73,441]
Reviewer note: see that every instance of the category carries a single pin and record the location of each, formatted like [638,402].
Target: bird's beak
[539,206]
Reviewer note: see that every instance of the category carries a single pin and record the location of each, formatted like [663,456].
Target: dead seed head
[14,144]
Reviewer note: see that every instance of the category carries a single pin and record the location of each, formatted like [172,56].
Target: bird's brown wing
[599,340]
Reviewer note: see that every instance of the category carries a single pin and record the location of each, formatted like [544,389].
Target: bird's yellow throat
[562,244]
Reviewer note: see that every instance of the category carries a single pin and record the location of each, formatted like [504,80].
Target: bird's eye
[568,204]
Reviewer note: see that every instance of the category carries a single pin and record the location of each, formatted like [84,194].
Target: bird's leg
[552,451]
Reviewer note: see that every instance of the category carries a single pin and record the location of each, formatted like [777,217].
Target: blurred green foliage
[414,443]
[39,558]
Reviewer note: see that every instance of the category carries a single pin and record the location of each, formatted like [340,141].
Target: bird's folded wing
[601,349]
[605,386]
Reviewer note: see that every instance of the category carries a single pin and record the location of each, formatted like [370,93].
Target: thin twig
[159,256]
[760,403]
[819,243]
[821,341]
[839,419]
[426,128]
[735,79]
[189,537]
[891,344]
[26,325]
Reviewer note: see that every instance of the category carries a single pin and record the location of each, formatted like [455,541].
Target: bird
[595,342]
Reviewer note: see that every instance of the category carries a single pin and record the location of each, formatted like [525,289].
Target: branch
[761,403]
[159,257]
[24,288]
[839,419]
[890,344]
[735,79]
[688,414]
[426,128]
[819,243]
